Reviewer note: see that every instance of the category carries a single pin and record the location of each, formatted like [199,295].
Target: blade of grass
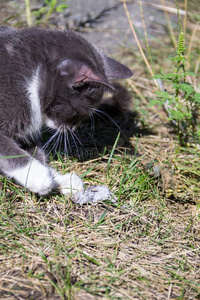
[192,39]
[112,152]
[185,17]
[28,12]
[51,9]
[145,32]
[138,43]
[90,258]
[171,31]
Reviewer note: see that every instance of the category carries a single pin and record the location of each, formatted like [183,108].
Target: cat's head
[79,90]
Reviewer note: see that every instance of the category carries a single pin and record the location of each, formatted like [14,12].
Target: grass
[148,247]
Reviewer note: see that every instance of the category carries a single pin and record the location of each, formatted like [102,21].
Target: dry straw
[138,43]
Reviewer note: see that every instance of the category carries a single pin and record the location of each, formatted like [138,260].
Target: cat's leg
[68,183]
[26,170]
[38,153]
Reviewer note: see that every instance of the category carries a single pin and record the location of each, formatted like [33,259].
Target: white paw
[69,183]
[34,176]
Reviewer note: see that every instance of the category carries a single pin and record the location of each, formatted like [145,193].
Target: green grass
[146,247]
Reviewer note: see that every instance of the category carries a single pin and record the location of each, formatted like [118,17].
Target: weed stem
[28,12]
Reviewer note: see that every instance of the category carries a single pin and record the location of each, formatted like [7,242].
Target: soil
[104,22]
[112,29]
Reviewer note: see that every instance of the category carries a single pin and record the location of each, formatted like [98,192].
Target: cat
[53,78]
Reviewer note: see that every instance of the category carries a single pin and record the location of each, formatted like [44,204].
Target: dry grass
[148,247]
[143,250]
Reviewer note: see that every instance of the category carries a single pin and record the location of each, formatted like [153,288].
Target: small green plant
[43,13]
[181,101]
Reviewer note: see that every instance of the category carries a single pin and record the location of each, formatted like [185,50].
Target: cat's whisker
[56,143]
[68,141]
[73,135]
[65,142]
[76,137]
[99,112]
[45,146]
[92,122]
[51,149]
[47,129]
[87,131]
[99,115]
[59,139]
[91,136]
[77,150]
[56,137]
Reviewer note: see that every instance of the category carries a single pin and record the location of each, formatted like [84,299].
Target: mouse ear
[78,73]
[116,70]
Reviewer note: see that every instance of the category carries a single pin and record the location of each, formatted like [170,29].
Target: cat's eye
[93,88]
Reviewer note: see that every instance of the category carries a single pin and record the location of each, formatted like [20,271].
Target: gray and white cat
[52,78]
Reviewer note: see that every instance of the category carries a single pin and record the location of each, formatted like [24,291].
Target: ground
[146,247]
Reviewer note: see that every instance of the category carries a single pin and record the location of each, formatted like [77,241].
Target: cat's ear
[78,73]
[116,70]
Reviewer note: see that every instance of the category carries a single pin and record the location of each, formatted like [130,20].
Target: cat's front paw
[69,183]
[34,176]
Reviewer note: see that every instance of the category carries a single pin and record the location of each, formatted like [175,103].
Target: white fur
[69,183]
[48,122]
[33,94]
[35,176]
[41,179]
